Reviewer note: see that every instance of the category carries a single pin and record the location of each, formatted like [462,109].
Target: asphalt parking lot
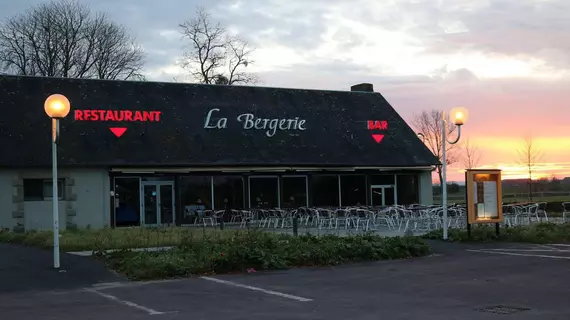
[458,282]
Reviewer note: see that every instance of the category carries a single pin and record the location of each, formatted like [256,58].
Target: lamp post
[56,107]
[459,116]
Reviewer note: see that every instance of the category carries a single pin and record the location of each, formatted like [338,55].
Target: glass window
[228,192]
[382,179]
[195,196]
[353,190]
[127,201]
[382,196]
[293,192]
[408,189]
[41,189]
[263,192]
[324,191]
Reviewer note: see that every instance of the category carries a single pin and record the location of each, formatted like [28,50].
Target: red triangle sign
[378,137]
[118,132]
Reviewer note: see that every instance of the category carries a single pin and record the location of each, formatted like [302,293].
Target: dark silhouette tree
[212,56]
[529,155]
[65,39]
[472,155]
[428,123]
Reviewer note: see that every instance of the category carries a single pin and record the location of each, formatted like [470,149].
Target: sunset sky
[507,61]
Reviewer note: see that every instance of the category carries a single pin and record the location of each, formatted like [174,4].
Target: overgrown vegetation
[105,239]
[241,251]
[540,233]
[199,251]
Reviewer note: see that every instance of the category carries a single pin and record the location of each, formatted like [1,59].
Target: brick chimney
[364,87]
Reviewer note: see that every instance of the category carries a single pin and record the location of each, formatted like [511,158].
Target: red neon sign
[377,125]
[118,131]
[118,115]
[378,137]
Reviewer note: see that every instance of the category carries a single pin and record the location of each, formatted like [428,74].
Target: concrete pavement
[458,282]
[27,268]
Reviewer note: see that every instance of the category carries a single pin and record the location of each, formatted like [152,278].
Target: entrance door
[157,203]
[382,195]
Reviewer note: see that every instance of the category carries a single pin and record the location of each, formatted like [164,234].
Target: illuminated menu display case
[484,196]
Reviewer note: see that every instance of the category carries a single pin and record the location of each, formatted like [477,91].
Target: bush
[540,233]
[260,250]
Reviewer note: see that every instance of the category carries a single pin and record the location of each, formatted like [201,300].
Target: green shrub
[11,237]
[240,251]
[540,233]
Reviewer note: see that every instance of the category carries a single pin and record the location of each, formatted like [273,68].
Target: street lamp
[56,107]
[459,117]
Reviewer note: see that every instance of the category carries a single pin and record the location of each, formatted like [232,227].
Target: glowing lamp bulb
[57,106]
[459,116]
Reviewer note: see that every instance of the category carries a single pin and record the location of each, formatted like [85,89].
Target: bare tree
[428,123]
[472,155]
[64,39]
[212,55]
[529,155]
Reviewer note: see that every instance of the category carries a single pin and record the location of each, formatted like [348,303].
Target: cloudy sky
[507,61]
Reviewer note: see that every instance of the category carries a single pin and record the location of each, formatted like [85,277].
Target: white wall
[7,192]
[86,200]
[426,188]
[93,204]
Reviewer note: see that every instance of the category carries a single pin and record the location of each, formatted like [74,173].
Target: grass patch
[540,233]
[240,251]
[105,239]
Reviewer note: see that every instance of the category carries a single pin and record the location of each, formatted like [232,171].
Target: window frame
[44,182]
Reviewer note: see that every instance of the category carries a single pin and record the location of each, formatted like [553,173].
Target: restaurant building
[148,153]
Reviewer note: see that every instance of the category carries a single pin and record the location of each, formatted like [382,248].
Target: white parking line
[121,284]
[530,250]
[546,246]
[125,302]
[519,254]
[275,293]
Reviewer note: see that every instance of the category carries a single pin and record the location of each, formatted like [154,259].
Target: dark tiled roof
[336,130]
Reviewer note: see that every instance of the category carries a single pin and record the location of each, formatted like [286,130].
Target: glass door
[166,203]
[389,196]
[382,195]
[149,212]
[126,197]
[157,203]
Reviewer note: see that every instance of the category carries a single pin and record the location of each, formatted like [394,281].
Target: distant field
[460,198]
[539,199]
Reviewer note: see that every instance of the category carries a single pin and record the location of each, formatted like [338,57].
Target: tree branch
[472,155]
[212,56]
